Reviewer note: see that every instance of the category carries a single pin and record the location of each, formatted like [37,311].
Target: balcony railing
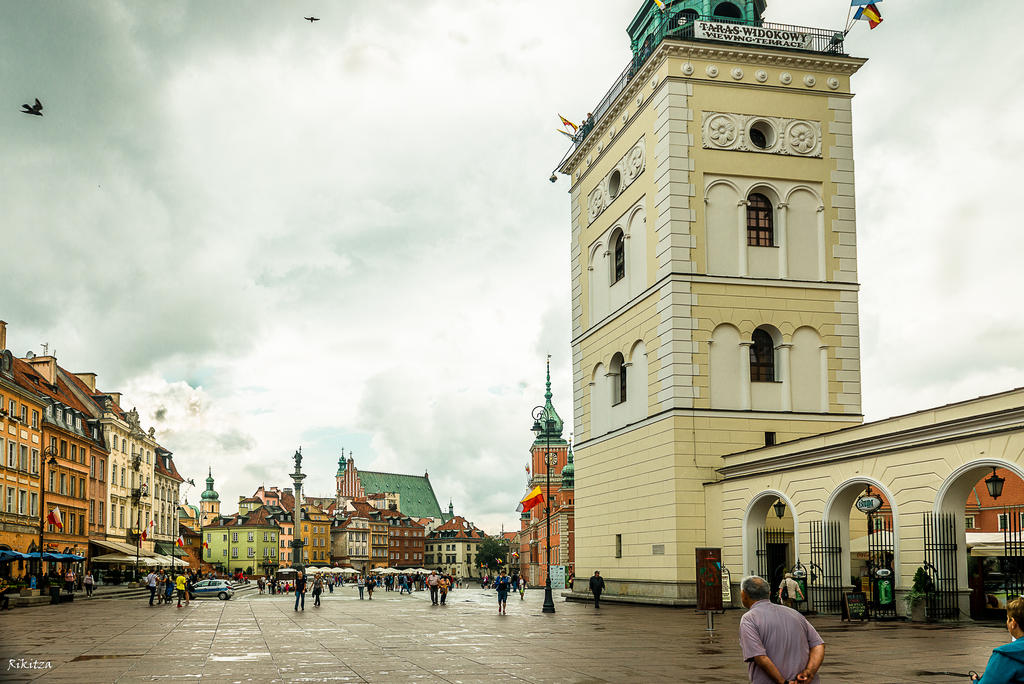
[812,40]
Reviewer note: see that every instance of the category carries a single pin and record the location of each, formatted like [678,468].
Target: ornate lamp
[780,509]
[994,483]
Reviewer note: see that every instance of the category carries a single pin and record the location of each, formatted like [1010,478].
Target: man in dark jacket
[596,587]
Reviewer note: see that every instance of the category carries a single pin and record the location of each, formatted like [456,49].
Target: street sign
[868,503]
[709,579]
[558,577]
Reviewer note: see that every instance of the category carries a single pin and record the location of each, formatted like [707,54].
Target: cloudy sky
[268,233]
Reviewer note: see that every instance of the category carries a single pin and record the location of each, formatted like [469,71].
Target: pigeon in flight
[36,109]
[311,19]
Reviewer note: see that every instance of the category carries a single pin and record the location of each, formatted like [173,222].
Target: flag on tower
[660,4]
[181,542]
[54,518]
[870,14]
[566,122]
[534,498]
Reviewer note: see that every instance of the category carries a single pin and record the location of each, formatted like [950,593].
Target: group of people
[162,586]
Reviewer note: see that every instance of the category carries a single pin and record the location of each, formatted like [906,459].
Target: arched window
[618,373]
[728,10]
[760,221]
[618,257]
[688,15]
[762,357]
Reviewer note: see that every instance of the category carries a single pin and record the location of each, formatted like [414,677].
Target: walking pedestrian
[168,589]
[161,584]
[522,588]
[442,589]
[330,584]
[371,584]
[151,580]
[5,602]
[69,581]
[182,585]
[1006,663]
[318,588]
[259,584]
[502,584]
[300,591]
[596,587]
[361,584]
[789,591]
[432,582]
[88,582]
[778,643]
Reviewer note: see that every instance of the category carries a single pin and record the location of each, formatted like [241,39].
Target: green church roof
[415,494]
[552,436]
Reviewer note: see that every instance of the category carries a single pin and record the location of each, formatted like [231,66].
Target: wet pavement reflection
[396,638]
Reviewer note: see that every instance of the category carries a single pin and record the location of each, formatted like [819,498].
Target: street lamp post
[49,458]
[137,495]
[540,413]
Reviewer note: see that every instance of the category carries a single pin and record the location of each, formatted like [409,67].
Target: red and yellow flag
[181,542]
[566,122]
[534,498]
[870,14]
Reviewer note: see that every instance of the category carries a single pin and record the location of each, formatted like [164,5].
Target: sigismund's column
[297,477]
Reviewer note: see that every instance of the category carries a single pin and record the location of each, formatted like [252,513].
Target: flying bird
[36,109]
[311,19]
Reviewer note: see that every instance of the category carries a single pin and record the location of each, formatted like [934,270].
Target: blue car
[210,588]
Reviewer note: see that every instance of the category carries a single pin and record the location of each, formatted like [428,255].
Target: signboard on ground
[751,35]
[558,577]
[854,606]
[709,579]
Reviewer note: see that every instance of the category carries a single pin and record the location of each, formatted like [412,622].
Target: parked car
[210,588]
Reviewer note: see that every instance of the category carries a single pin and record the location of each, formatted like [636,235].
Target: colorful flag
[534,498]
[205,545]
[861,3]
[527,468]
[54,518]
[181,542]
[870,14]
[145,531]
[567,135]
[566,122]
[660,4]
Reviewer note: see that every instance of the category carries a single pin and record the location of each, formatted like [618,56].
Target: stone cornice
[911,438]
[694,50]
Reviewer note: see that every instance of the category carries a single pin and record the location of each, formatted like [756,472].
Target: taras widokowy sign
[752,35]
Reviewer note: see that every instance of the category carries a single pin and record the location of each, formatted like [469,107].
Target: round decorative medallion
[712,71]
[640,99]
[802,137]
[625,116]
[687,69]
[654,82]
[833,82]
[809,81]
[721,130]
[636,161]
[785,78]
[611,132]
[761,75]
[737,73]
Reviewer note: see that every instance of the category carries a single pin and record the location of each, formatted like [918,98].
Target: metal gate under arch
[825,573]
[772,555]
[940,561]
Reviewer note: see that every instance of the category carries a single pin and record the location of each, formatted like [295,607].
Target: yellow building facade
[714,282]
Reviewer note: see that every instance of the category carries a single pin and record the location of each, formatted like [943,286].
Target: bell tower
[714,276]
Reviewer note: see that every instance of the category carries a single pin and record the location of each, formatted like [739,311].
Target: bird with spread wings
[36,109]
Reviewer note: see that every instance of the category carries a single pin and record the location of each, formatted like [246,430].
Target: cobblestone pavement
[401,639]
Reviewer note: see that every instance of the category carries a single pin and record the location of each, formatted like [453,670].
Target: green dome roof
[210,494]
[551,428]
[569,474]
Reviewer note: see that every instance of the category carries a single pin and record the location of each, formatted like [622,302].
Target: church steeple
[551,429]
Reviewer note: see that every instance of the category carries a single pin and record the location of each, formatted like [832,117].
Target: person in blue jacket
[1007,662]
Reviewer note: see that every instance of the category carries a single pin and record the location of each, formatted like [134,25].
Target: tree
[490,551]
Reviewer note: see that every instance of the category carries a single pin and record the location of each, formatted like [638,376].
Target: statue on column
[298,459]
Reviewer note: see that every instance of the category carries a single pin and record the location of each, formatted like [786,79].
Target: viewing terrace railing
[685,27]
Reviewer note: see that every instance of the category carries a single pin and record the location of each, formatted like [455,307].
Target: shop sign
[868,503]
[752,35]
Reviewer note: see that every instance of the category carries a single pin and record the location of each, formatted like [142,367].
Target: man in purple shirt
[778,643]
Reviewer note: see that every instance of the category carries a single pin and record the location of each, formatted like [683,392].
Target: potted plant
[915,598]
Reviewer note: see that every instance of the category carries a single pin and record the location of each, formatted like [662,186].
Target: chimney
[46,366]
[3,335]
[89,379]
[116,396]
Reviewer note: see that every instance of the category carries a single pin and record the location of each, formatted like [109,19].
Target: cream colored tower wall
[641,467]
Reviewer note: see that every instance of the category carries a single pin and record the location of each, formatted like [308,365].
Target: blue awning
[7,555]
